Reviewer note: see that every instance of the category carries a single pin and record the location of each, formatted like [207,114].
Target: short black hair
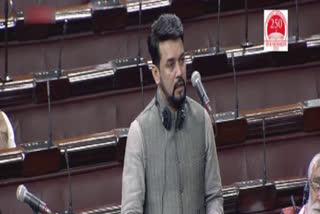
[166,27]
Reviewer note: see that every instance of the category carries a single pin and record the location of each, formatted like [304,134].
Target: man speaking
[171,164]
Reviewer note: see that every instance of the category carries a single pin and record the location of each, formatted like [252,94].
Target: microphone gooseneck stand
[6,77]
[236,110]
[297,22]
[70,209]
[265,179]
[139,54]
[246,44]
[218,30]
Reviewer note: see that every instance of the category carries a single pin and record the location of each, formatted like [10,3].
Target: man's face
[171,74]
[314,200]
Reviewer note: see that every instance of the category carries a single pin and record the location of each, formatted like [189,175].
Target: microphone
[36,204]
[196,82]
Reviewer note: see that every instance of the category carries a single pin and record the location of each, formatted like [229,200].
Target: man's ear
[155,73]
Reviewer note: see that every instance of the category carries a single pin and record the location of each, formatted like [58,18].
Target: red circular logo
[276,29]
[276,25]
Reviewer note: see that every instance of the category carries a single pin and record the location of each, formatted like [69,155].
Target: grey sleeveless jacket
[174,165]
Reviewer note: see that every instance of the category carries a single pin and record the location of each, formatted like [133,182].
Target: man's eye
[171,64]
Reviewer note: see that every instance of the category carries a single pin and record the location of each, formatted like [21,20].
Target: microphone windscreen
[21,191]
[195,77]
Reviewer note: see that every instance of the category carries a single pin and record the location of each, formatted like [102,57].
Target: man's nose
[178,70]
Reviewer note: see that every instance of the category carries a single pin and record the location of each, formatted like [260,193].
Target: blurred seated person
[6,132]
[313,203]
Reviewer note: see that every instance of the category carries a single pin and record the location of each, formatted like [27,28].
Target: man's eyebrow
[183,54]
[170,60]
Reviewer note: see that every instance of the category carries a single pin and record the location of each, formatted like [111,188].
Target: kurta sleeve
[133,179]
[213,188]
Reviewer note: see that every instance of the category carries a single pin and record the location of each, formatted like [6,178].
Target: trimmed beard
[173,101]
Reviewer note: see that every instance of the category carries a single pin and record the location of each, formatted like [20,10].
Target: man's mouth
[179,85]
[179,88]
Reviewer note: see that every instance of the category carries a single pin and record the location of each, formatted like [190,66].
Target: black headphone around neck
[180,117]
[166,116]
[305,196]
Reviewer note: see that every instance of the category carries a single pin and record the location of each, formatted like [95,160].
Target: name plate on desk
[91,79]
[278,120]
[127,73]
[204,59]
[230,129]
[59,86]
[108,14]
[11,162]
[91,149]
[297,54]
[40,158]
[16,92]
[255,197]
[311,115]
